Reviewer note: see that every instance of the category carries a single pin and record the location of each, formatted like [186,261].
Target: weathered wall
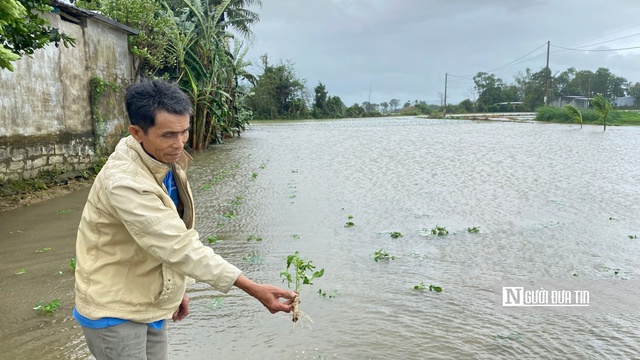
[46,118]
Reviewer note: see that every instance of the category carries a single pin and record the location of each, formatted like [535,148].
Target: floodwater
[552,201]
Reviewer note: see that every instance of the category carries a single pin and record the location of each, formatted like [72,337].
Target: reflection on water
[551,201]
[541,194]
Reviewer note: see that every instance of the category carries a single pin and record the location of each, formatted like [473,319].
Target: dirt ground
[13,202]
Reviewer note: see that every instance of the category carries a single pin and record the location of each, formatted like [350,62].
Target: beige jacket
[133,249]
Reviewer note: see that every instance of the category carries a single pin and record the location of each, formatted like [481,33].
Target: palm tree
[574,114]
[238,17]
[602,106]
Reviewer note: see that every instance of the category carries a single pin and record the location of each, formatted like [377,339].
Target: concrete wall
[45,103]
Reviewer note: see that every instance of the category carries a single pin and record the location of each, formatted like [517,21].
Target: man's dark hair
[145,99]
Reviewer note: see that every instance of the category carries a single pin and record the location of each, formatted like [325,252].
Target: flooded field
[551,202]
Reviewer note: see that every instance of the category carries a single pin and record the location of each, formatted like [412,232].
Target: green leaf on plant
[51,307]
[20,272]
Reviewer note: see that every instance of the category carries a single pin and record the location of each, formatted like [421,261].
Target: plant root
[295,306]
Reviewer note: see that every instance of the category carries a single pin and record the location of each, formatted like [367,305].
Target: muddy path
[36,245]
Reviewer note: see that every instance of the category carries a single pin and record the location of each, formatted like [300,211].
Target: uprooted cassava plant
[304,273]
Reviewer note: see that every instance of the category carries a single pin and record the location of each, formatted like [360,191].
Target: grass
[589,116]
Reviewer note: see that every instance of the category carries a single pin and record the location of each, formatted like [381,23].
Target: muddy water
[552,202]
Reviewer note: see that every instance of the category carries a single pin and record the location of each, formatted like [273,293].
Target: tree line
[530,89]
[199,44]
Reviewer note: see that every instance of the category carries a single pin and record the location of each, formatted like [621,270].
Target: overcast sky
[403,48]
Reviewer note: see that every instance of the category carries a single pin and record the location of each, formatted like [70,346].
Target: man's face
[164,141]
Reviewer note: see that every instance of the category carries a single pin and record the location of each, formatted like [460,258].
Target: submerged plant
[303,274]
[382,255]
[51,307]
[324,294]
[422,286]
[439,231]
[253,237]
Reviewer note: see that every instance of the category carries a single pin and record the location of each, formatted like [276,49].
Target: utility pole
[546,91]
[444,111]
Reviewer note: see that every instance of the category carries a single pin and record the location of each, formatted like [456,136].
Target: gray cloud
[403,48]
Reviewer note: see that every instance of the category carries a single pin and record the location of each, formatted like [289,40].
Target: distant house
[624,101]
[577,101]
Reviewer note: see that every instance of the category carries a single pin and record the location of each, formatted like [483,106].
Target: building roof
[74,11]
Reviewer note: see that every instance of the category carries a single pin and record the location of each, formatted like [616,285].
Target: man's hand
[183,309]
[270,296]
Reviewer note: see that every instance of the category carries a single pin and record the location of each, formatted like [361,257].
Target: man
[136,244]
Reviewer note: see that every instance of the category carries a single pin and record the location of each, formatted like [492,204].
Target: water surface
[552,201]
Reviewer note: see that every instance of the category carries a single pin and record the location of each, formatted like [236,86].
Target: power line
[520,58]
[608,41]
[571,49]
[514,62]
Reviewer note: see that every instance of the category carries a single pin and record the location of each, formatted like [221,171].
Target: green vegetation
[45,249]
[632,236]
[212,239]
[72,263]
[303,274]
[395,234]
[474,230]
[50,307]
[422,286]
[603,107]
[295,236]
[438,231]
[252,259]
[237,201]
[574,114]
[23,31]
[589,116]
[254,238]
[65,212]
[349,224]
[21,271]
[381,255]
[216,303]
[324,294]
